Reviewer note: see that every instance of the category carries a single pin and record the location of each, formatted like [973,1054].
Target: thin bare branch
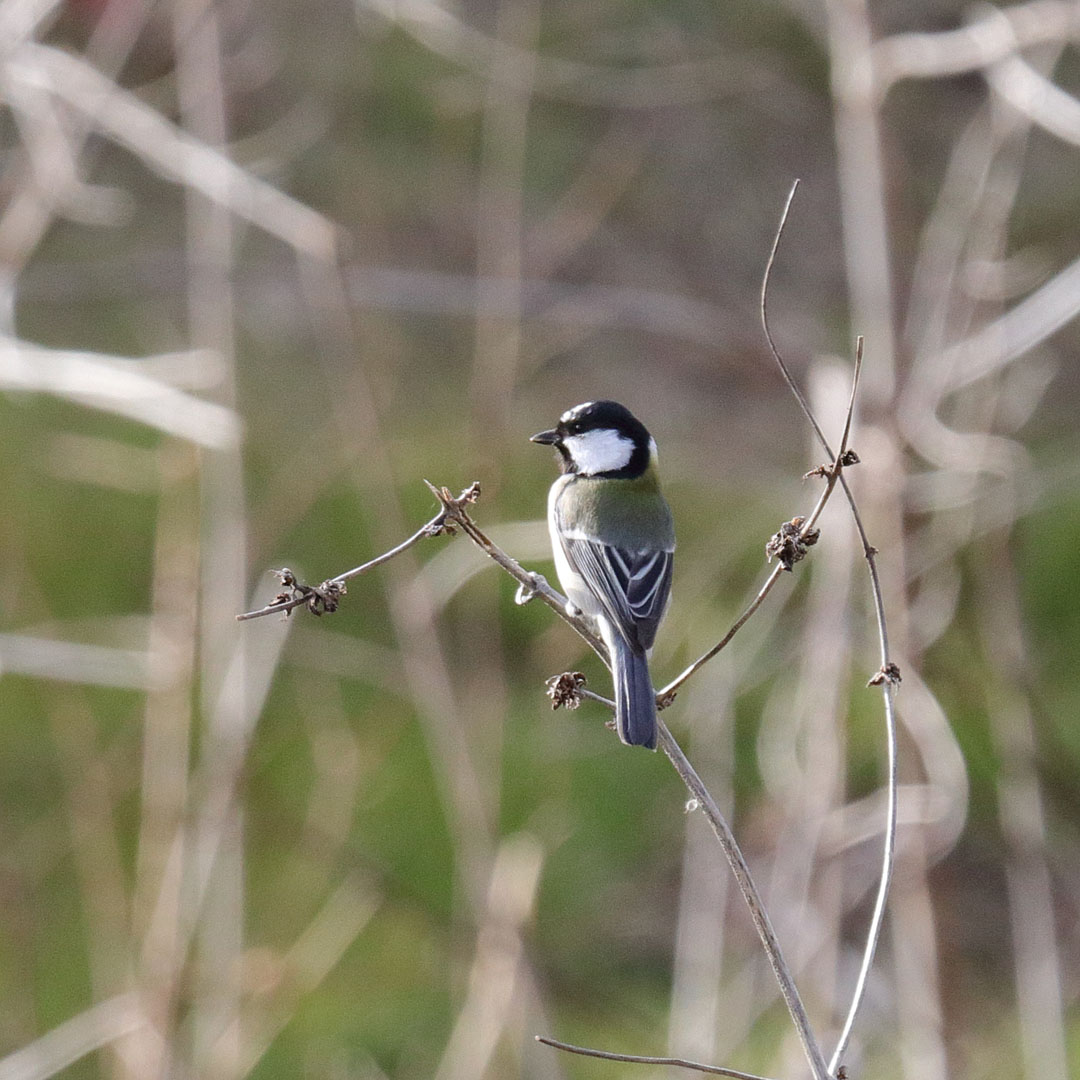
[637,1059]
[319,598]
[532,585]
[765,280]
[741,870]
[667,694]
[888,678]
[171,151]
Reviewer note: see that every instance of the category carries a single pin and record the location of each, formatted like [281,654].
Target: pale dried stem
[970,227]
[101,1025]
[1037,954]
[163,147]
[997,35]
[701,1015]
[499,963]
[214,856]
[647,87]
[250,1032]
[994,152]
[637,1059]
[167,738]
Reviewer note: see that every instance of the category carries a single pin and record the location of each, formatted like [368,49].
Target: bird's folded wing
[632,586]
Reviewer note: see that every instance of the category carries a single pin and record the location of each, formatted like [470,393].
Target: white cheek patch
[599,451]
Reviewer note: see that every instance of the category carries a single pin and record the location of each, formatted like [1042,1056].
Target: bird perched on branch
[613,539]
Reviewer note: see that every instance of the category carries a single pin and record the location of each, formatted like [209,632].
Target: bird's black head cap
[602,415]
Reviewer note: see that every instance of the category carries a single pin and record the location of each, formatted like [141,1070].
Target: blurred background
[264,267]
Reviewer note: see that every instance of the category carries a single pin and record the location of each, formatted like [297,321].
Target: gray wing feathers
[632,586]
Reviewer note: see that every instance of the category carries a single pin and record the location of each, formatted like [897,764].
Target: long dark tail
[635,699]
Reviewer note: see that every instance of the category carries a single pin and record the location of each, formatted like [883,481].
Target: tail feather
[635,699]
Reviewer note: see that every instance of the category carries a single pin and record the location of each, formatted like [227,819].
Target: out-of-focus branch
[20,19]
[862,188]
[170,151]
[1033,94]
[499,963]
[110,384]
[645,87]
[995,36]
[102,1024]
[1016,332]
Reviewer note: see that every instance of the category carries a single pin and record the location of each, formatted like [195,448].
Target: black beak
[548,438]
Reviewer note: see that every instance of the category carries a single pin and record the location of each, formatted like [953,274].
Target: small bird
[613,539]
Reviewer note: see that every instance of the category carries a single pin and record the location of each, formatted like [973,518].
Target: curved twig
[805,533]
[888,676]
[638,1059]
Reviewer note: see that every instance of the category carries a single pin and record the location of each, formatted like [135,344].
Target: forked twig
[320,598]
[887,676]
[457,514]
[637,1059]
[454,515]
[805,533]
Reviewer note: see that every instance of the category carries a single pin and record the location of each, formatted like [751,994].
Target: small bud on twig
[565,689]
[316,598]
[890,673]
[847,458]
[788,546]
[324,598]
